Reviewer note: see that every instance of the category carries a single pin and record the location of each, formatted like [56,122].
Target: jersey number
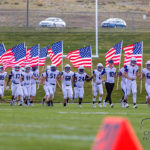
[17,76]
[67,78]
[52,76]
[28,77]
[148,75]
[111,74]
[81,79]
[1,77]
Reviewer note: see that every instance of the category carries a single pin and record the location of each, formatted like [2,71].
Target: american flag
[2,51]
[114,53]
[55,53]
[32,56]
[81,57]
[15,55]
[134,50]
[43,55]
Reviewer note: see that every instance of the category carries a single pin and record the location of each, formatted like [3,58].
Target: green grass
[61,128]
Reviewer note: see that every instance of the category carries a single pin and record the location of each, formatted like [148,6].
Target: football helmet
[1,68]
[17,67]
[99,67]
[27,68]
[133,61]
[53,67]
[67,68]
[81,69]
[148,64]
[34,68]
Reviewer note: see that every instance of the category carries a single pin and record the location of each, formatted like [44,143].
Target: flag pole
[119,65]
[4,47]
[38,61]
[91,68]
[62,57]
[141,69]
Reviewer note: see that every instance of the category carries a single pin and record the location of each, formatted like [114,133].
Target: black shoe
[43,101]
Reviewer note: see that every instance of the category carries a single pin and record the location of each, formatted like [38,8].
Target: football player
[123,86]
[3,75]
[97,84]
[15,77]
[45,84]
[131,73]
[110,73]
[26,77]
[52,76]
[146,75]
[79,78]
[34,82]
[67,78]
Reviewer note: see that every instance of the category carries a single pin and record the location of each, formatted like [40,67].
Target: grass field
[61,128]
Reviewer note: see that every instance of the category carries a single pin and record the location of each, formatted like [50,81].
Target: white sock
[134,97]
[100,99]
[94,99]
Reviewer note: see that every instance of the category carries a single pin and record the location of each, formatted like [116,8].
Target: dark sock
[51,103]
[48,103]
[64,104]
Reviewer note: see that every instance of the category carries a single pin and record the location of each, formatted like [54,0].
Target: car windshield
[50,19]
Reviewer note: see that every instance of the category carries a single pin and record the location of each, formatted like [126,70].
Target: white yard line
[51,136]
[103,113]
[37,126]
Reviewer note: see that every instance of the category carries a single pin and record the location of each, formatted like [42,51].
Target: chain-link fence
[13,20]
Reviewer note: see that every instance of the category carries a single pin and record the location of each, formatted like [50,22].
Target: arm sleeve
[126,68]
[103,72]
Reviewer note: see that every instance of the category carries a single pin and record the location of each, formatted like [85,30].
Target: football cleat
[94,106]
[135,106]
[43,101]
[122,103]
[79,106]
[112,105]
[104,103]
[100,105]
[126,105]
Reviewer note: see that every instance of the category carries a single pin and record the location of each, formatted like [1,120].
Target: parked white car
[52,22]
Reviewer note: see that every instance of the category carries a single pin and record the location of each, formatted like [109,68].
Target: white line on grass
[102,113]
[52,136]
[36,126]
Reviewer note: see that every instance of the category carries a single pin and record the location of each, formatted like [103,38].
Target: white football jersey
[2,78]
[27,77]
[146,72]
[97,76]
[122,71]
[44,76]
[67,78]
[52,76]
[16,75]
[110,74]
[80,79]
[36,74]
[131,71]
